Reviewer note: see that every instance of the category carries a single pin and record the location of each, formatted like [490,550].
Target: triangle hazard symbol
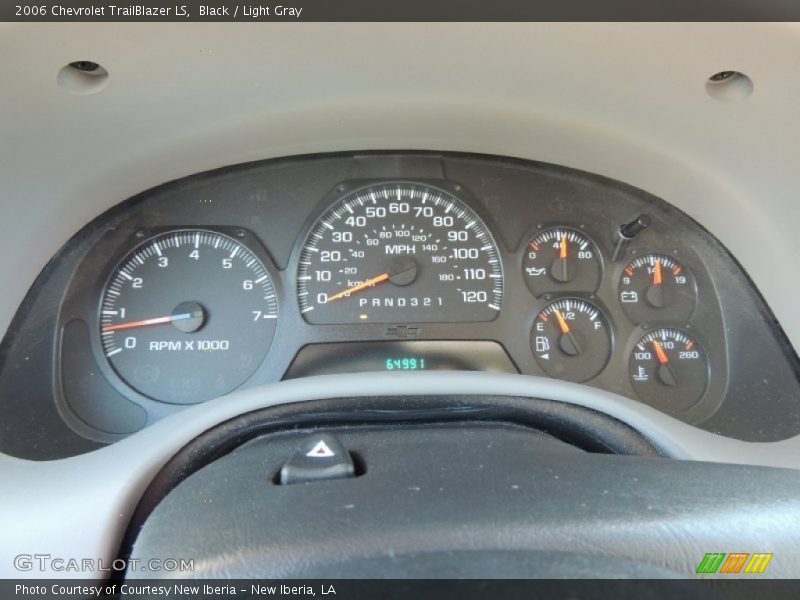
[321,450]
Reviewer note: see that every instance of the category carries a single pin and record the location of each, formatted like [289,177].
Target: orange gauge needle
[657,273]
[563,248]
[364,284]
[144,323]
[562,323]
[662,356]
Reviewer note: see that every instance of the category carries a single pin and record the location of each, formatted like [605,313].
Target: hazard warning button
[320,456]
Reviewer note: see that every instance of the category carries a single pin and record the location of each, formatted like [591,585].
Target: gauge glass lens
[656,287]
[571,340]
[399,253]
[669,370]
[188,316]
[559,259]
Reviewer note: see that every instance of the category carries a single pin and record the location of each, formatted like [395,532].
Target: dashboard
[587,364]
[388,261]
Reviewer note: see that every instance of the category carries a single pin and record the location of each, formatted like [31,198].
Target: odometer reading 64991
[398,253]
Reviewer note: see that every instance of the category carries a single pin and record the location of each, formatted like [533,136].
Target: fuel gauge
[656,287]
[571,340]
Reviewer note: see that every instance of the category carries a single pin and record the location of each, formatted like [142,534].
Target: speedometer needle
[145,322]
[364,284]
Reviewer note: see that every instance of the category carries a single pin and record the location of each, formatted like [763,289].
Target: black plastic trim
[581,427]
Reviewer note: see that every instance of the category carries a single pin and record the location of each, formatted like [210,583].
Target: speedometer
[399,253]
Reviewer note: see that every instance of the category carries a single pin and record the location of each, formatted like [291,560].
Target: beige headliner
[623,100]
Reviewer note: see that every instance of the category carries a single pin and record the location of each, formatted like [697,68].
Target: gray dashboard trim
[80,506]
[297,89]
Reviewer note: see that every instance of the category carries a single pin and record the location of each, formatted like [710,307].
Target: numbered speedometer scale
[398,253]
[188,316]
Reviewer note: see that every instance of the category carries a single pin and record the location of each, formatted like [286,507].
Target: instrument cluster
[408,262]
[190,314]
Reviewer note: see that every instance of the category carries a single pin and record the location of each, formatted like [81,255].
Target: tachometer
[398,253]
[188,316]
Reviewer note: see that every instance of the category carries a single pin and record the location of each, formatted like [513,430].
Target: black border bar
[399,10]
[388,589]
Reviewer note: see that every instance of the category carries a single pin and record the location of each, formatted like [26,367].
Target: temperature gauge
[656,288]
[560,259]
[669,370]
[571,340]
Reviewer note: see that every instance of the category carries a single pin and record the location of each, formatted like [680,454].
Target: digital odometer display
[400,357]
[397,253]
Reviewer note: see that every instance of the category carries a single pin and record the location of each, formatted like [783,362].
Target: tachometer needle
[364,284]
[146,322]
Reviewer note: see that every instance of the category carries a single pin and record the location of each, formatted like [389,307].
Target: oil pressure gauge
[656,287]
[560,259]
[669,369]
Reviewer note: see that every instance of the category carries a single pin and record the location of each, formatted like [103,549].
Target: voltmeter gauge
[656,287]
[560,259]
[669,370]
[571,340]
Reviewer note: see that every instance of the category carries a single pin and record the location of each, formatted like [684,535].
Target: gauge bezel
[705,371]
[279,200]
[659,317]
[581,229]
[713,394]
[591,300]
[451,191]
[140,239]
